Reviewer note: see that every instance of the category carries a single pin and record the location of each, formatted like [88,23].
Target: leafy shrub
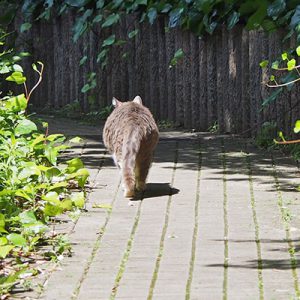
[285,74]
[34,186]
[266,135]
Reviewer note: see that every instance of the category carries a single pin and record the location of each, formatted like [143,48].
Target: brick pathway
[219,220]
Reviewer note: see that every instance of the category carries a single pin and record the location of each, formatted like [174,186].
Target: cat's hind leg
[128,178]
[141,173]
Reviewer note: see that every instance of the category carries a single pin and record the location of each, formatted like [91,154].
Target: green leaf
[83,60]
[272,78]
[2,223]
[57,185]
[17,68]
[111,20]
[256,19]
[167,7]
[17,103]
[102,55]
[141,2]
[295,20]
[109,41]
[4,69]
[25,195]
[280,134]
[275,65]
[233,19]
[263,64]
[297,126]
[276,8]
[17,239]
[58,137]
[152,15]
[76,140]
[133,33]
[4,250]
[100,4]
[82,175]
[291,64]
[36,227]
[66,204]
[16,77]
[85,88]
[177,56]
[78,199]
[51,197]
[272,97]
[51,153]
[74,165]
[268,25]
[52,210]
[25,126]
[175,16]
[284,56]
[81,24]
[25,27]
[29,169]
[27,217]
[76,3]
[298,50]
[98,19]
[3,241]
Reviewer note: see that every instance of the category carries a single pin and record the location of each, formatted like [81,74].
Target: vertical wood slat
[203,86]
[211,81]
[170,47]
[179,81]
[253,59]
[162,74]
[195,82]
[186,78]
[153,70]
[235,61]
[246,123]
[219,79]
[226,116]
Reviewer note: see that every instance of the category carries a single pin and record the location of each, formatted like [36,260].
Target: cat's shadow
[154,190]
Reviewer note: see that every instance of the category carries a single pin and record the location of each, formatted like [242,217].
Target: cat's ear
[138,100]
[115,102]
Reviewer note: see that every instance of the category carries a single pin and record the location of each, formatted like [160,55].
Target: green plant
[214,128]
[200,17]
[165,124]
[265,136]
[284,76]
[34,186]
[95,116]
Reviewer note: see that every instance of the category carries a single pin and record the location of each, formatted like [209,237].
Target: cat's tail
[131,146]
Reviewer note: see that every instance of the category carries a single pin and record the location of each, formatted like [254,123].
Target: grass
[225,218]
[196,225]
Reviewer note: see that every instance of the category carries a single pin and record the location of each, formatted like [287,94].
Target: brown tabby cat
[130,134]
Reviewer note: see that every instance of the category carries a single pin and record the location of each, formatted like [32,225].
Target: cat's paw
[128,194]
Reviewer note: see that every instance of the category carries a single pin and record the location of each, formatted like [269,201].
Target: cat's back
[127,117]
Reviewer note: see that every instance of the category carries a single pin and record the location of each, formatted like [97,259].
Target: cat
[130,134]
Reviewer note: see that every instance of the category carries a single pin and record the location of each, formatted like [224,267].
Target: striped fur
[130,134]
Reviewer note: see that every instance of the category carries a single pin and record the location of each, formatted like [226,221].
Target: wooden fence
[218,81]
